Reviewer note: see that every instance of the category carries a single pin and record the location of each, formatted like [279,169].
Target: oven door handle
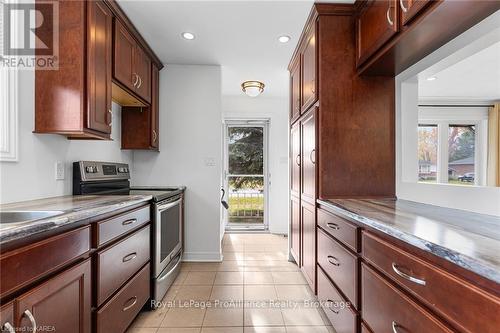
[171,270]
[166,206]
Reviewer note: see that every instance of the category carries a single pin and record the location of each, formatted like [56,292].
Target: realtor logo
[30,35]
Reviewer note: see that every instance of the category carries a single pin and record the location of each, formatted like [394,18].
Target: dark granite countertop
[74,209]
[469,240]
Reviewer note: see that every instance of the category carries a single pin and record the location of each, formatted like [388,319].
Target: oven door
[168,235]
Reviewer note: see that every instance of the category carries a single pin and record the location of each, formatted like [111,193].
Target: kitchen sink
[8,217]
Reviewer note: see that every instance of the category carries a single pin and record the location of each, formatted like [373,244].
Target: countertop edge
[468,263]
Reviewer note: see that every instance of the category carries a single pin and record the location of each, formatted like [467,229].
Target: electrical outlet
[59,170]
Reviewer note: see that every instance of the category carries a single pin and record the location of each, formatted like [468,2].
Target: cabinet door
[124,57]
[309,70]
[295,93]
[155,107]
[308,218]
[376,24]
[62,303]
[142,67]
[308,160]
[99,59]
[295,229]
[295,159]
[410,8]
[7,318]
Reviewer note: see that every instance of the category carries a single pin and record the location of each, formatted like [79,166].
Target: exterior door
[308,217]
[246,177]
[309,71]
[308,158]
[99,59]
[61,303]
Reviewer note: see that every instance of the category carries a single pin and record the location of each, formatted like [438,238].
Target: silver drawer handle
[130,256]
[333,226]
[403,8]
[127,307]
[7,326]
[127,222]
[31,318]
[395,327]
[406,276]
[334,261]
[331,307]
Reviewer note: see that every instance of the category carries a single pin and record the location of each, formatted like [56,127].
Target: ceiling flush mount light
[187,35]
[284,39]
[252,88]
[431,78]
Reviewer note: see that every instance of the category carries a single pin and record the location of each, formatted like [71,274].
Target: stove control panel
[93,170]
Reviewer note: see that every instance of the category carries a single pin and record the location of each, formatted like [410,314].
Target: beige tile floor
[254,289]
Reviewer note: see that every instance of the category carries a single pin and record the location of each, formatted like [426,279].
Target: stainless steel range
[103,178]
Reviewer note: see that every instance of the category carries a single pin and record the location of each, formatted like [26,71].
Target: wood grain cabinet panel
[308,157]
[99,63]
[340,265]
[295,230]
[118,263]
[60,304]
[142,65]
[459,302]
[155,108]
[309,85]
[117,314]
[295,85]
[376,24]
[123,60]
[386,309]
[341,229]
[308,220]
[7,324]
[337,309]
[410,8]
[295,159]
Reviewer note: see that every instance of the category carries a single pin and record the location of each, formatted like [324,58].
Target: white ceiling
[240,36]
[475,78]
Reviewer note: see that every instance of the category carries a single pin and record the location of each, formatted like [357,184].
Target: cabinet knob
[388,14]
[7,327]
[136,79]
[140,82]
[31,318]
[311,155]
[402,5]
[155,136]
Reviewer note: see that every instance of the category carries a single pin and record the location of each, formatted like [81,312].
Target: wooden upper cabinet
[376,24]
[132,66]
[124,48]
[309,95]
[99,58]
[410,8]
[61,303]
[295,159]
[295,93]
[155,107]
[308,160]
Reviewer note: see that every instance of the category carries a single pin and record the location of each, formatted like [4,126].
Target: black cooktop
[158,193]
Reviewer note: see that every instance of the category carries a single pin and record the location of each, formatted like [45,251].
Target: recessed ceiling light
[188,35]
[431,78]
[284,39]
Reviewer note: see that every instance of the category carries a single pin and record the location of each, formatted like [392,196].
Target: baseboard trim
[202,257]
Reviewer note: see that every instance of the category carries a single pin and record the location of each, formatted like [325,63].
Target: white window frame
[445,115]
[480,199]
[8,115]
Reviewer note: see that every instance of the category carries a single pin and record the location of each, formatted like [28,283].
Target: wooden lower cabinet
[386,309]
[308,218]
[60,304]
[7,318]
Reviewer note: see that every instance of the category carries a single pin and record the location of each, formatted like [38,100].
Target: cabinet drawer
[344,231]
[460,303]
[119,225]
[27,264]
[118,263]
[336,308]
[340,265]
[117,314]
[386,309]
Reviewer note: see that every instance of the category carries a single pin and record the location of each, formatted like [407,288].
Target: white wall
[275,109]
[33,176]
[190,152]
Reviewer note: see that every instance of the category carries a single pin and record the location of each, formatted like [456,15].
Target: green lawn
[451,181]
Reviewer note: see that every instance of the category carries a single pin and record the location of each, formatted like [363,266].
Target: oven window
[170,225]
